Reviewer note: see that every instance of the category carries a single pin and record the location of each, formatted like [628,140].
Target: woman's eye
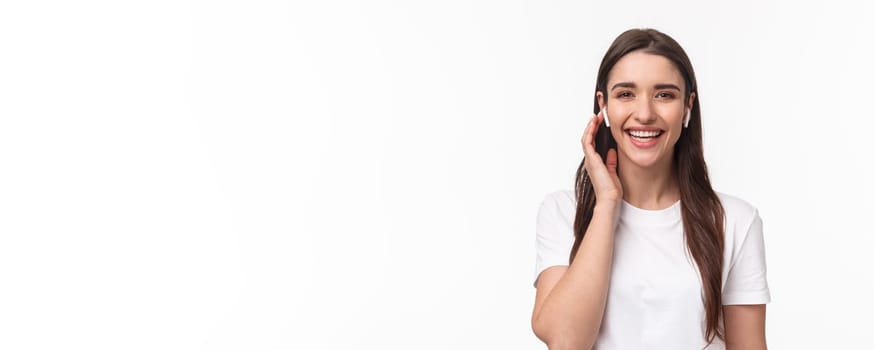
[665,95]
[624,94]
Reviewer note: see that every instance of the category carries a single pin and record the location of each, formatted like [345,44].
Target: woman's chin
[643,159]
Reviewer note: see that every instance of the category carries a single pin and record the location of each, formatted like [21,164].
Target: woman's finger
[589,136]
[612,162]
[587,133]
[586,129]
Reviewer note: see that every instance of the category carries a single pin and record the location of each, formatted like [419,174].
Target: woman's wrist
[608,209]
[611,206]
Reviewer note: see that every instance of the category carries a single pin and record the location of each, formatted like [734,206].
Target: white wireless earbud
[606,119]
[688,116]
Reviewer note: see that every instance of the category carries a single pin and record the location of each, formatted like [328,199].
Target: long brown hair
[702,212]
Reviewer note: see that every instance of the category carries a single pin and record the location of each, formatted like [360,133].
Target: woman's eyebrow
[625,84]
[632,85]
[666,86]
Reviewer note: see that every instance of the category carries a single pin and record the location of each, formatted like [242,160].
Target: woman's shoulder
[563,196]
[562,202]
[737,207]
[741,217]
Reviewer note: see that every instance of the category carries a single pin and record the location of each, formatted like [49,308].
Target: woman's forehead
[645,70]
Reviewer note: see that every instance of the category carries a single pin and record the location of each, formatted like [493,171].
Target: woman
[644,254]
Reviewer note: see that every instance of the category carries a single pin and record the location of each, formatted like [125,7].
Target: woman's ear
[601,102]
[603,108]
[691,101]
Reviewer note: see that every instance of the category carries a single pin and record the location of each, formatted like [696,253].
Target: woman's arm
[745,327]
[570,301]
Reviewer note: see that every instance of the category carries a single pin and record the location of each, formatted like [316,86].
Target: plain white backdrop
[366,174]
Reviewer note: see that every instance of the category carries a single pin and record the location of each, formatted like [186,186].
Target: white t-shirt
[655,298]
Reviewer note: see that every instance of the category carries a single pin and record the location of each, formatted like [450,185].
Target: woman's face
[645,107]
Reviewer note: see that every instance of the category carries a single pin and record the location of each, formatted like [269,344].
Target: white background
[366,175]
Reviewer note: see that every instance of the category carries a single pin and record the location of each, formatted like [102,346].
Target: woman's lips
[647,142]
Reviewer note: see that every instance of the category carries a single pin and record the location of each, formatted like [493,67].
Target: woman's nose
[645,112]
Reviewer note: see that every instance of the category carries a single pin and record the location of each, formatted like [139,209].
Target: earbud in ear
[688,116]
[606,119]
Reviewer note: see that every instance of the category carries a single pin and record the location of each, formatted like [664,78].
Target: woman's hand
[604,178]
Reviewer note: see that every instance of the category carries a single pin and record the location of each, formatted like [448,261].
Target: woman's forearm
[570,317]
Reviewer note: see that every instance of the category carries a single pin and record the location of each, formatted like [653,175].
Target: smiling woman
[646,86]
[644,253]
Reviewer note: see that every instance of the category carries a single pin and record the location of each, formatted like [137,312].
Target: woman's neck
[650,188]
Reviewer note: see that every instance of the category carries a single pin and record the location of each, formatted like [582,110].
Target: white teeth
[638,133]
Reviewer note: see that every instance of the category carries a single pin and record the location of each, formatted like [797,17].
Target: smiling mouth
[644,138]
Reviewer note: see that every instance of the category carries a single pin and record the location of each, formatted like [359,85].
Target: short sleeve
[554,231]
[747,281]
